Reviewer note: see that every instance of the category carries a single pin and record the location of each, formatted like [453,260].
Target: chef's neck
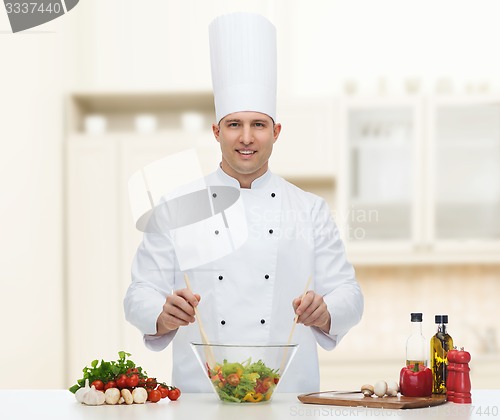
[245,180]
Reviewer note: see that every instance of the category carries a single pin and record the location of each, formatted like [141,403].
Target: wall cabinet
[465,170]
[419,179]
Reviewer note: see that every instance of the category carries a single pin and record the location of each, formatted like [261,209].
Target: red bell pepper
[415,381]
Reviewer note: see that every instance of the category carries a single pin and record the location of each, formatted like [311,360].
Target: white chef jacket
[246,296]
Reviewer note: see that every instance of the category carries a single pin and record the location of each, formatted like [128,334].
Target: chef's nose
[246,135]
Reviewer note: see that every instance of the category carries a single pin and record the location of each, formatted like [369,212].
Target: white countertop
[61,405]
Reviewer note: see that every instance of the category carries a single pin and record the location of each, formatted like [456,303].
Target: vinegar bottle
[441,343]
[416,344]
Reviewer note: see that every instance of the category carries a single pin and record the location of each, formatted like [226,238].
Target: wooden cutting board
[357,399]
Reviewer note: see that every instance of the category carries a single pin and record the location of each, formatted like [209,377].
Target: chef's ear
[276,131]
[216,131]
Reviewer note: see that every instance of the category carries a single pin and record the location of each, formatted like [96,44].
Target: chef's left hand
[312,311]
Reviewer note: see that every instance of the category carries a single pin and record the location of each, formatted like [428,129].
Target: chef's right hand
[178,311]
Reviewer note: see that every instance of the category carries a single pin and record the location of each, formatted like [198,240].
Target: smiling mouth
[246,152]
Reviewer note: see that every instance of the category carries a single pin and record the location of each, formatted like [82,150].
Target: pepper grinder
[461,385]
[450,379]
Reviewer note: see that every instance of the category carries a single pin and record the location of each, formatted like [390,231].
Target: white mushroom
[367,390]
[127,396]
[380,388]
[392,388]
[112,395]
[140,395]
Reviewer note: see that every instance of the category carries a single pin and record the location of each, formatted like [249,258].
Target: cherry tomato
[142,382]
[132,370]
[121,382]
[267,382]
[174,393]
[151,383]
[154,395]
[99,385]
[133,381]
[276,380]
[233,379]
[259,387]
[163,391]
[110,384]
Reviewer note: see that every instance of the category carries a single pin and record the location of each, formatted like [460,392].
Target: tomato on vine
[174,393]
[121,382]
[151,383]
[110,384]
[163,391]
[154,395]
[98,384]
[133,380]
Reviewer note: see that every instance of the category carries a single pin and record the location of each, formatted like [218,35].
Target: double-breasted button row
[262,321]
[266,276]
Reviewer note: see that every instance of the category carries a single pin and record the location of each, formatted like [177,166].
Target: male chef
[252,294]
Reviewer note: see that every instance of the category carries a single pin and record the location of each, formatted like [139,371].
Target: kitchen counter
[61,405]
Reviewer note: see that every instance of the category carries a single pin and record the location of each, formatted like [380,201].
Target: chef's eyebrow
[257,120]
[237,120]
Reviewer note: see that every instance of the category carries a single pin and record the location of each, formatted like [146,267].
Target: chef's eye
[233,124]
[260,124]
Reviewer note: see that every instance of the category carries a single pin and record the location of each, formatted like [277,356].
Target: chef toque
[243,62]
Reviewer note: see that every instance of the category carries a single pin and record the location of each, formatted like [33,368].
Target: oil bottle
[441,343]
[416,344]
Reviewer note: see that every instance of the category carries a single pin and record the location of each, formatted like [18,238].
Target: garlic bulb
[94,397]
[82,391]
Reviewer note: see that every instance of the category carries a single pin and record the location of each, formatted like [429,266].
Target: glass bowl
[244,373]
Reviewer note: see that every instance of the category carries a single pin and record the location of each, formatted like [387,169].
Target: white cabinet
[419,179]
[465,170]
[380,171]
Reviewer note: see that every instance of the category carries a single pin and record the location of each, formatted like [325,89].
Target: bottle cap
[416,316]
[441,319]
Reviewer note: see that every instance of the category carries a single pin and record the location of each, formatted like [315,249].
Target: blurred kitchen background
[390,110]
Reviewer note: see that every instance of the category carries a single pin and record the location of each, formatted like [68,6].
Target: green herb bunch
[108,371]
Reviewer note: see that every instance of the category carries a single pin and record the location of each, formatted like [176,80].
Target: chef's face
[246,140]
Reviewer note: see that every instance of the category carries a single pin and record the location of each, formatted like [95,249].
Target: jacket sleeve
[153,279]
[335,279]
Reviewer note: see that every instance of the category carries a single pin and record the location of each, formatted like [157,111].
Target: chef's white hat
[243,60]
